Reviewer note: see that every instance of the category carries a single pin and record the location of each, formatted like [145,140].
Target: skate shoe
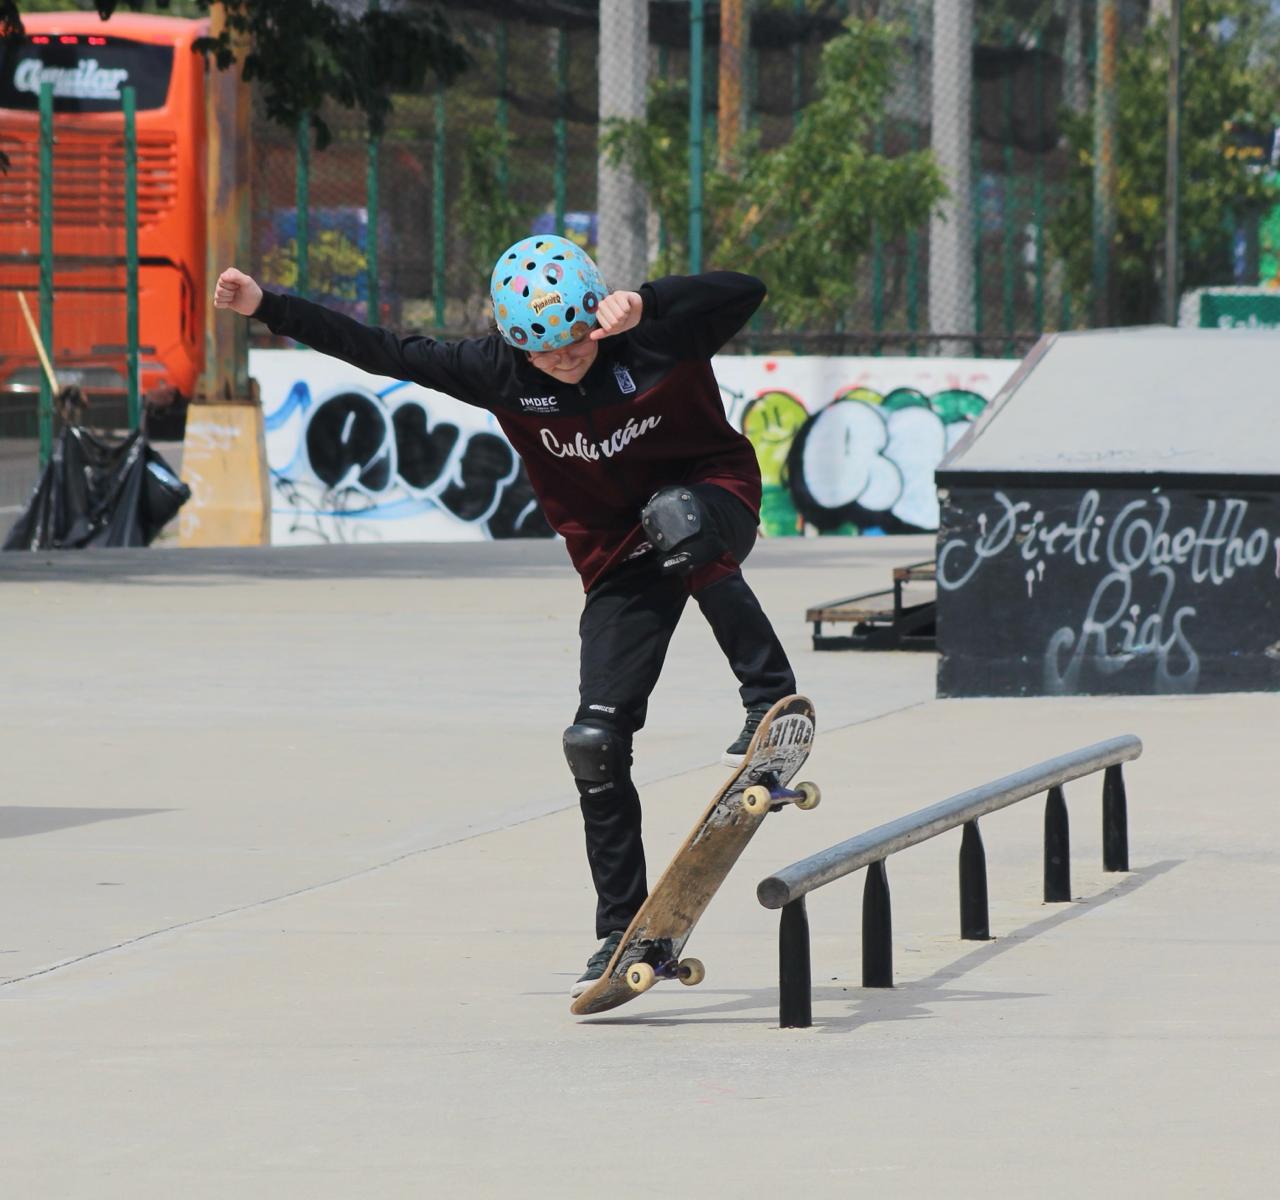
[738,751]
[597,963]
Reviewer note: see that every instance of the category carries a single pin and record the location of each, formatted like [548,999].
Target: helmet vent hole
[570,313]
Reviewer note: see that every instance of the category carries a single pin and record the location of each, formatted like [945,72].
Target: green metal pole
[1104,159]
[437,206]
[976,174]
[373,202]
[131,251]
[1173,166]
[1039,189]
[373,210]
[562,125]
[913,237]
[756,324]
[373,305]
[1009,207]
[303,183]
[504,120]
[797,74]
[877,258]
[45,417]
[696,21]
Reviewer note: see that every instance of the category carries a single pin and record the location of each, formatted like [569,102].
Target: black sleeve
[692,316]
[474,370]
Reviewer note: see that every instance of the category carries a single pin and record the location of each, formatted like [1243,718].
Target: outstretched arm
[468,369]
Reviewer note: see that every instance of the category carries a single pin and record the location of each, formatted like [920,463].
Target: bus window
[87,73]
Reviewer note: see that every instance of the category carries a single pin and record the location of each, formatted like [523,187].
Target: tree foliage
[304,52]
[802,214]
[1221,85]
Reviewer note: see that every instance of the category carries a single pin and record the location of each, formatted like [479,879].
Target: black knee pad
[596,755]
[677,523]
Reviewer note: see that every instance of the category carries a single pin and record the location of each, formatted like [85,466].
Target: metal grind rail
[786,889]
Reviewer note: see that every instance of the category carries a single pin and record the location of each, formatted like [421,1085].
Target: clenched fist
[618,312]
[237,291]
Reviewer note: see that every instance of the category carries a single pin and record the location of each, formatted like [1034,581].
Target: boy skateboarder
[610,400]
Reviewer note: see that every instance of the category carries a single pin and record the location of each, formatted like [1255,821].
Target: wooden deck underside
[701,864]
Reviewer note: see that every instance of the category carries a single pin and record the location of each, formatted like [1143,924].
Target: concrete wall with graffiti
[849,445]
[846,445]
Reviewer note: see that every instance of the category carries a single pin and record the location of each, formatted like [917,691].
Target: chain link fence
[1002,93]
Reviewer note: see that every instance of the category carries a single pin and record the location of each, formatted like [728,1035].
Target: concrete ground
[293,893]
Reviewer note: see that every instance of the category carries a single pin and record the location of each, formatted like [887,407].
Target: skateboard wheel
[691,972]
[809,795]
[757,800]
[641,977]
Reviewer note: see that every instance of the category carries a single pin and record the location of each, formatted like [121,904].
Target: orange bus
[88,62]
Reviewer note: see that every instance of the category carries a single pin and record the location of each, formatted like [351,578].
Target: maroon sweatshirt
[648,413]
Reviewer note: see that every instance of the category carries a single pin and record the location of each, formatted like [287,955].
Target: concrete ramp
[1110,525]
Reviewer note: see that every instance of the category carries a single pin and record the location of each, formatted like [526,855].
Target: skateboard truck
[761,798]
[642,975]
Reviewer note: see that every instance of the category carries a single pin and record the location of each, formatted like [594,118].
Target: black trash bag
[98,493]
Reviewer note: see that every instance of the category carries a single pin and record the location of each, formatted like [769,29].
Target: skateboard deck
[650,948]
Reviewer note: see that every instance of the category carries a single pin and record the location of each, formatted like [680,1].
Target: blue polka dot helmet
[545,291]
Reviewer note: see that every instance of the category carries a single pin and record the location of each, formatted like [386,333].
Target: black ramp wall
[1111,525]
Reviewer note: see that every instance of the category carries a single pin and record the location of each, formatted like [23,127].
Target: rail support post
[1115,821]
[1057,849]
[975,924]
[795,1004]
[877,929]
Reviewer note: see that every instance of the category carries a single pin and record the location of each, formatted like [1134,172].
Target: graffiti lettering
[1159,636]
[1140,545]
[361,461]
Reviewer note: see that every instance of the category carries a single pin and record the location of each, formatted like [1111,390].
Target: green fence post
[562,126]
[1104,158]
[696,18]
[913,237]
[373,201]
[437,206]
[877,260]
[373,302]
[1009,208]
[975,150]
[797,71]
[131,251]
[503,118]
[45,416]
[302,232]
[1039,188]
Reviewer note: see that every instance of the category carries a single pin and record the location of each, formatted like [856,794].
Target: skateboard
[650,948]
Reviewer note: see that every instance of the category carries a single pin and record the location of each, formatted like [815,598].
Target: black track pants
[626,627]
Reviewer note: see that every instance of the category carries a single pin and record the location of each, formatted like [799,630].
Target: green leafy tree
[657,150]
[1222,84]
[802,214]
[484,215]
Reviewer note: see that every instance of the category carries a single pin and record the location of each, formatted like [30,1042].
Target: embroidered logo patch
[626,385]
